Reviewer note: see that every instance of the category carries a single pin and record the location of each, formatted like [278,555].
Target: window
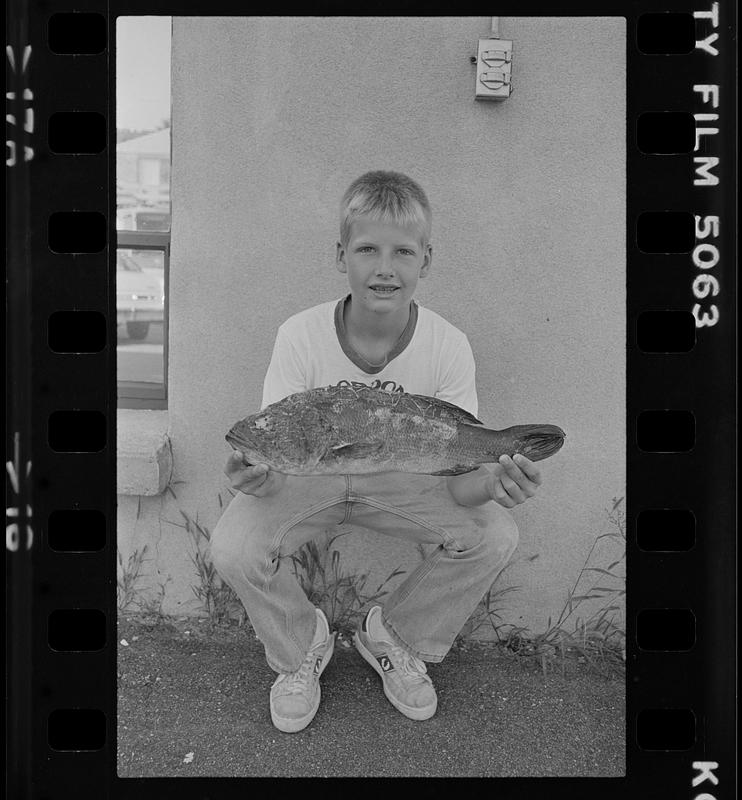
[143,209]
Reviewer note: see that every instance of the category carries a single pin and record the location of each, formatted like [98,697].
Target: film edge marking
[703,284]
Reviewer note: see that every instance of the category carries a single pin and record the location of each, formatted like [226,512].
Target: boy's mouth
[383,289]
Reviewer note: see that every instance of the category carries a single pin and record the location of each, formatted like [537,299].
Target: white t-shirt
[432,357]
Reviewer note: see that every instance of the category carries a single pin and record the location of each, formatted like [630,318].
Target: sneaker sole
[292,724]
[412,712]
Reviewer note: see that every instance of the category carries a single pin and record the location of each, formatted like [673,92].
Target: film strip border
[680,412]
[681,336]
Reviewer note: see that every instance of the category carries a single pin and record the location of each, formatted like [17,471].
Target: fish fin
[356,449]
[459,469]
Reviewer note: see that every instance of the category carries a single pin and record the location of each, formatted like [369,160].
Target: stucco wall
[273,117]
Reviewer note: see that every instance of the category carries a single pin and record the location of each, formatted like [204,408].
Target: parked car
[140,299]
[143,218]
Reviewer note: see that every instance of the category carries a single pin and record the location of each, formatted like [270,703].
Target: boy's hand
[255,479]
[513,480]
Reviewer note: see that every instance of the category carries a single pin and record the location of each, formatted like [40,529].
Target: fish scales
[344,430]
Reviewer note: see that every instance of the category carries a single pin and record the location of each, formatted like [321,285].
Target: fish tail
[537,441]
[486,445]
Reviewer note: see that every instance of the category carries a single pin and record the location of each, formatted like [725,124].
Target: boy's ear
[340,258]
[427,260]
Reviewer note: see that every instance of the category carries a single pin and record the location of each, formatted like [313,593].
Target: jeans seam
[276,547]
[431,561]
[348,501]
[447,539]
[265,576]
[300,517]
[417,653]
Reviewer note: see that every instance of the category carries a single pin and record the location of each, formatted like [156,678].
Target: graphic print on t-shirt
[437,362]
[387,386]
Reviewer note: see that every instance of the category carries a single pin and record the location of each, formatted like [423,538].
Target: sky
[142,72]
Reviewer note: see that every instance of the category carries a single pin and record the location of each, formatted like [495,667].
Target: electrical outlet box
[494,69]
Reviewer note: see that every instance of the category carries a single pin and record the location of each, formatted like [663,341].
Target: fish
[343,430]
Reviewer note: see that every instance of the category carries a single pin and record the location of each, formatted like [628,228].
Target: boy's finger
[531,470]
[513,490]
[512,471]
[238,458]
[515,474]
[511,468]
[258,470]
[234,463]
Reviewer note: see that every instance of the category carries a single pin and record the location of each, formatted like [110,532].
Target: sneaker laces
[297,682]
[409,664]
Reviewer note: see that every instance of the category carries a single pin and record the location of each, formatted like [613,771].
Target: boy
[378,336]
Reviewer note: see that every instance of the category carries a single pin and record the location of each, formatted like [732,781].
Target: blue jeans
[426,611]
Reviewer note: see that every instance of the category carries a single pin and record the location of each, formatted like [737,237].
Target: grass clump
[487,615]
[344,597]
[127,578]
[217,597]
[152,607]
[598,638]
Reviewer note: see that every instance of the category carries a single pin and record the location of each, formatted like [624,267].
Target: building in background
[143,182]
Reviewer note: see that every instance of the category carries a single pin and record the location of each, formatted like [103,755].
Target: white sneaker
[295,696]
[406,683]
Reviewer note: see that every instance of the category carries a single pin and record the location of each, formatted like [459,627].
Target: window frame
[142,394]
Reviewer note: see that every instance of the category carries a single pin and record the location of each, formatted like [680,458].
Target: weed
[128,576]
[598,639]
[486,614]
[343,597]
[153,607]
[218,598]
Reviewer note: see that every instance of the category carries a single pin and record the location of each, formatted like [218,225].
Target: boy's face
[383,262]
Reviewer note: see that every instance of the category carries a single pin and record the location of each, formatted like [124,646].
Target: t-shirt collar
[357,358]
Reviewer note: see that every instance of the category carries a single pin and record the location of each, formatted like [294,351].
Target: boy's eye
[405,252]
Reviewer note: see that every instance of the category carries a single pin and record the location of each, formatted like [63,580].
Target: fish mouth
[237,442]
[238,438]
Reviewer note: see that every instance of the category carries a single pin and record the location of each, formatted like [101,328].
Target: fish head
[254,436]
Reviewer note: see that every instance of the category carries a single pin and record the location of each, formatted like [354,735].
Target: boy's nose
[384,266]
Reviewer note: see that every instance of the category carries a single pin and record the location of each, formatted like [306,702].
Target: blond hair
[385,197]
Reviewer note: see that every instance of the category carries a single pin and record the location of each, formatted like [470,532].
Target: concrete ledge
[144,459]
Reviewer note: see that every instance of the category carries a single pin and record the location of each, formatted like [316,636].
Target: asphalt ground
[193,701]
